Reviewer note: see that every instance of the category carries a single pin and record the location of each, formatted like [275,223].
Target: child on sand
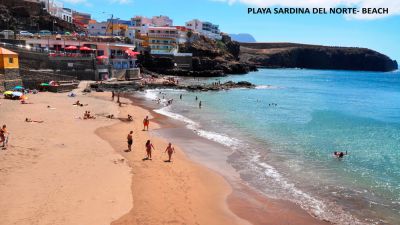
[170,150]
[146,122]
[149,146]
[130,141]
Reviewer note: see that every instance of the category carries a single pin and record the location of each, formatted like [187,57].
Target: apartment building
[162,39]
[207,29]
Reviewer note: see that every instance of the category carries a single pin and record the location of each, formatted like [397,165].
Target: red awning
[102,57]
[131,53]
[84,48]
[71,47]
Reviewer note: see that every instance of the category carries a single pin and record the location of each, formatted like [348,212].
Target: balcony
[162,35]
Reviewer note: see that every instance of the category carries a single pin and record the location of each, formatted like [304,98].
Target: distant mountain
[243,37]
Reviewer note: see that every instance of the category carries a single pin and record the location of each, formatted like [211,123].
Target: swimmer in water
[339,154]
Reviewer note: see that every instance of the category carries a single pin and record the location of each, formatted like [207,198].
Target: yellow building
[117,29]
[8,59]
[9,70]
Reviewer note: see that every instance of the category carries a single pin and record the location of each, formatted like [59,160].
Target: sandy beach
[72,171]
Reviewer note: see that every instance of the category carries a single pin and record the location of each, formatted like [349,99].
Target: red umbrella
[71,47]
[84,48]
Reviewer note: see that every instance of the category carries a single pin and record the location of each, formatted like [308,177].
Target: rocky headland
[292,55]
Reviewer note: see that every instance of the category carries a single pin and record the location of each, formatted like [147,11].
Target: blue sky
[381,34]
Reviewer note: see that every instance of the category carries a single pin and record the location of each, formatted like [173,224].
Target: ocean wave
[321,209]
[194,126]
[266,87]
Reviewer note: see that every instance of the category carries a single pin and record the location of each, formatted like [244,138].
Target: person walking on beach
[149,146]
[200,105]
[4,136]
[112,95]
[169,150]
[130,141]
[146,123]
[180,96]
[196,98]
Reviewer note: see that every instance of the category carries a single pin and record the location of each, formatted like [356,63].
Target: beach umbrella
[71,47]
[18,87]
[44,84]
[84,48]
[17,93]
[8,93]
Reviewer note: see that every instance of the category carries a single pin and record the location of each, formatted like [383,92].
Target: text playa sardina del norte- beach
[318,11]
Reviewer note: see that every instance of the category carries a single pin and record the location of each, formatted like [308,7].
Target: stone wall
[33,78]
[9,78]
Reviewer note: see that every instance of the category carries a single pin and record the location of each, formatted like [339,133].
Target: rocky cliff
[24,15]
[292,55]
[215,57]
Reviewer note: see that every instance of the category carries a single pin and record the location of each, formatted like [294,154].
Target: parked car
[25,33]
[7,33]
[44,33]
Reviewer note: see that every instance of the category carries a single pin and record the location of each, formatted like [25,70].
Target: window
[11,60]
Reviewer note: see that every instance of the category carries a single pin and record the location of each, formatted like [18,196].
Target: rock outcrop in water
[291,55]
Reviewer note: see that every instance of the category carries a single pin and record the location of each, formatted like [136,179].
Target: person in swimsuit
[146,122]
[2,138]
[339,154]
[149,146]
[130,141]
[169,150]
[5,135]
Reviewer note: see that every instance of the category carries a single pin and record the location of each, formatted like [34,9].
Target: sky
[380,33]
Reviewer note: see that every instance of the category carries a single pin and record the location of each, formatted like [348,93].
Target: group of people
[88,115]
[149,147]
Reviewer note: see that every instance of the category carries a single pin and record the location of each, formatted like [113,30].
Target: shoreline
[190,194]
[242,200]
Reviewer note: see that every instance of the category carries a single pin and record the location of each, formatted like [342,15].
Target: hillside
[293,55]
[22,15]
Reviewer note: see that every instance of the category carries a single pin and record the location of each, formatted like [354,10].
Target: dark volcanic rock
[289,55]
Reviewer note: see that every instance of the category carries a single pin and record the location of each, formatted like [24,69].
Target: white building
[162,21]
[97,29]
[205,28]
[64,14]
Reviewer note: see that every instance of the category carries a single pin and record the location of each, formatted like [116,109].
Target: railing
[156,35]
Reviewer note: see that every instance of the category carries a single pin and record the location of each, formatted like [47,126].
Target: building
[162,39]
[161,21]
[98,29]
[64,14]
[139,21]
[81,19]
[9,70]
[182,34]
[207,29]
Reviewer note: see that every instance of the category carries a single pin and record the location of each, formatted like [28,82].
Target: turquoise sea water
[285,150]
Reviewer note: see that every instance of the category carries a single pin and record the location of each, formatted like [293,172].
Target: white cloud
[121,1]
[393,5]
